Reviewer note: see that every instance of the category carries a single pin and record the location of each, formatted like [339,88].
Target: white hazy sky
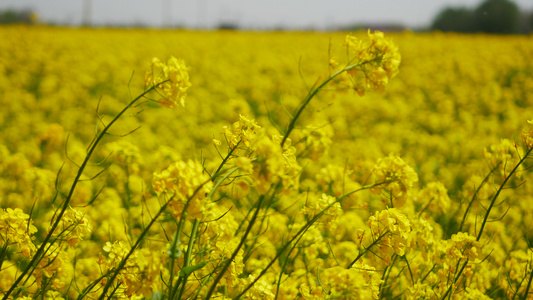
[318,14]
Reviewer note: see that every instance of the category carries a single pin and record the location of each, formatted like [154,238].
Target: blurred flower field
[413,185]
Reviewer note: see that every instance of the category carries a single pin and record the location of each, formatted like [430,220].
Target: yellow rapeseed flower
[180,181]
[397,177]
[378,59]
[171,79]
[16,227]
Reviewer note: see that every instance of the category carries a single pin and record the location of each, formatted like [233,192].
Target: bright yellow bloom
[180,181]
[55,266]
[378,59]
[243,163]
[244,131]
[272,162]
[74,226]
[140,273]
[223,250]
[464,245]
[394,229]
[171,79]
[360,282]
[216,142]
[506,155]
[474,294]
[315,205]
[262,289]
[16,227]
[125,153]
[53,295]
[396,176]
[418,291]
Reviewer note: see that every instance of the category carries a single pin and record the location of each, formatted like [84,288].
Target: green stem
[215,187]
[224,161]
[187,258]
[175,243]
[40,251]
[367,248]
[454,281]
[313,93]
[127,256]
[177,236]
[385,277]
[528,285]
[236,251]
[499,191]
[475,196]
[297,235]
[139,240]
[492,202]
[285,264]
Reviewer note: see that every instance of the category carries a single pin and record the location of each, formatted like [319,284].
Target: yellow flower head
[75,226]
[463,245]
[394,228]
[143,263]
[377,61]
[506,155]
[396,176]
[245,131]
[314,205]
[16,227]
[171,79]
[180,181]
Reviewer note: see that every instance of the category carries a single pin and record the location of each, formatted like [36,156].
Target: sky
[252,14]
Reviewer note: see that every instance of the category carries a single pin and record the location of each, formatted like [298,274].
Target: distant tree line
[11,16]
[491,16]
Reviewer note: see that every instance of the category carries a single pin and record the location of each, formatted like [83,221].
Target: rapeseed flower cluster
[185,185]
[504,155]
[380,58]
[54,270]
[140,274]
[392,231]
[74,227]
[172,79]
[397,177]
[325,205]
[274,163]
[17,228]
[245,131]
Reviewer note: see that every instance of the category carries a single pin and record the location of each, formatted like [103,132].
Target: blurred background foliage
[491,16]
[12,16]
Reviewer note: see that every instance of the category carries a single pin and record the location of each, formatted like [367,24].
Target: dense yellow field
[420,191]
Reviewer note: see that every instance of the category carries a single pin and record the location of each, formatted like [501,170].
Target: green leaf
[186,271]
